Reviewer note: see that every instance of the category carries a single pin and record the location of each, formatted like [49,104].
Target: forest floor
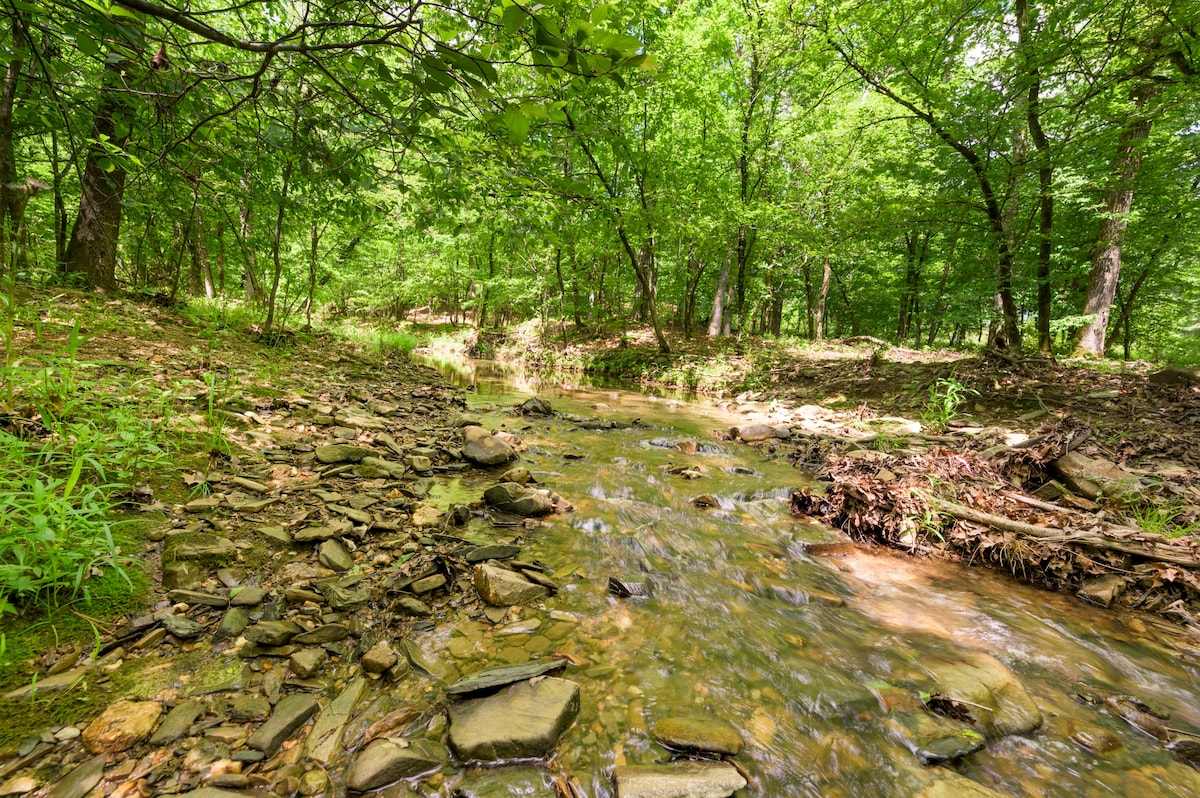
[936,453]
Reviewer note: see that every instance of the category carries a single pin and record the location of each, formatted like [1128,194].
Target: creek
[813,658]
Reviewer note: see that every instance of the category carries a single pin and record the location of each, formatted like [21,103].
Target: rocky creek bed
[594,594]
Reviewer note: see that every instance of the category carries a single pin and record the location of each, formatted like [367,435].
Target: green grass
[1168,520]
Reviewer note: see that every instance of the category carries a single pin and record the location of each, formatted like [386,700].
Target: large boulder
[509,497]
[483,448]
[523,720]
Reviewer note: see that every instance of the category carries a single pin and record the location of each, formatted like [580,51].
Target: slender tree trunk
[277,241]
[220,234]
[939,304]
[1110,236]
[1026,23]
[716,322]
[823,298]
[92,248]
[8,167]
[314,241]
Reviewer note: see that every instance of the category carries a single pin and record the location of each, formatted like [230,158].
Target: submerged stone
[705,734]
[685,779]
[503,588]
[521,720]
[491,678]
[290,714]
[385,760]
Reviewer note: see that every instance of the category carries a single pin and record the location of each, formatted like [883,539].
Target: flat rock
[315,534]
[934,739]
[483,448]
[991,693]
[121,726]
[342,453]
[759,432]
[509,497]
[519,721]
[1094,478]
[378,658]
[324,740]
[492,552]
[684,779]
[503,588]
[954,786]
[705,734]
[290,713]
[413,607]
[326,633]
[428,584]
[203,547]
[81,780]
[182,626]
[344,598]
[233,623]
[386,760]
[335,556]
[273,633]
[507,783]
[246,596]
[491,678]
[1103,590]
[177,722]
[307,662]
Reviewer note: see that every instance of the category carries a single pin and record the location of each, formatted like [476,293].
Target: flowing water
[811,657]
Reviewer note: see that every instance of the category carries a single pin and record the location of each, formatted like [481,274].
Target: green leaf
[512,19]
[517,125]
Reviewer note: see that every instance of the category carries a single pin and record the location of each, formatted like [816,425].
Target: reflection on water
[811,657]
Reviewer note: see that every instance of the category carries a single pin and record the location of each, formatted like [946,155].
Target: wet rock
[517,474]
[290,714]
[272,633]
[177,722]
[503,588]
[678,780]
[521,720]
[491,678]
[121,726]
[492,552]
[212,792]
[957,787]
[324,740]
[386,760]
[991,695]
[379,658]
[753,433]
[534,407]
[1094,478]
[1103,590]
[19,785]
[935,739]
[705,734]
[509,782]
[422,660]
[202,547]
[182,626]
[334,556]
[1098,741]
[307,663]
[509,497]
[483,448]
[342,453]
[629,588]
[81,780]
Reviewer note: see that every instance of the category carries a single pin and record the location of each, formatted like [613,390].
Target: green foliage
[946,396]
[1169,519]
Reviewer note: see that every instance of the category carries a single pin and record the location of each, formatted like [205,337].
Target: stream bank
[344,610]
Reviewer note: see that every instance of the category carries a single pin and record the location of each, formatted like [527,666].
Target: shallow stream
[810,656]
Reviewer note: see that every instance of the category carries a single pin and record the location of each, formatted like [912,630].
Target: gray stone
[428,584]
[414,607]
[357,516]
[327,633]
[246,596]
[307,662]
[177,722]
[314,534]
[333,555]
[343,598]
[759,432]
[324,740]
[198,597]
[182,575]
[954,786]
[509,782]
[935,739]
[385,760]
[249,708]
[683,779]
[342,453]
[492,552]
[423,661]
[81,780]
[379,658]
[203,547]
[273,633]
[393,470]
[990,693]
[276,534]
[1103,590]
[1094,478]
[705,734]
[503,588]
[517,474]
[233,623]
[290,714]
[182,626]
[521,720]
[491,678]
[516,499]
[483,448]
[211,792]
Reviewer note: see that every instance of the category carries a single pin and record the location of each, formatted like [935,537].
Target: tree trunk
[1110,236]
[314,241]
[8,168]
[277,241]
[823,298]
[716,322]
[92,248]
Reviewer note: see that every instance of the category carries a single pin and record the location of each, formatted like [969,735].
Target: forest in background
[1016,173]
